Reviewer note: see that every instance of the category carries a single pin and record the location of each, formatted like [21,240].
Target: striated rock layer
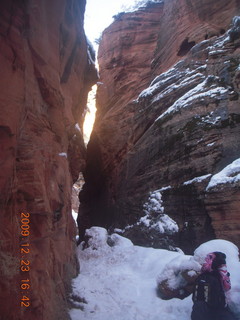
[140,45]
[46,74]
[125,55]
[175,135]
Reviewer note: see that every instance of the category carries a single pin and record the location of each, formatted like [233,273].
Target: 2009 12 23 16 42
[24,259]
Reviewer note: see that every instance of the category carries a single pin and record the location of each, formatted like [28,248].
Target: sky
[98,15]
[90,115]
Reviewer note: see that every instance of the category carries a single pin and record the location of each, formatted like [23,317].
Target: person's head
[220,259]
[213,261]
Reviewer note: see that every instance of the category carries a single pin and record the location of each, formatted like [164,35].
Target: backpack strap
[225,277]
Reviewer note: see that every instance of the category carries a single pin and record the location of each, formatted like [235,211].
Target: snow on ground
[119,281]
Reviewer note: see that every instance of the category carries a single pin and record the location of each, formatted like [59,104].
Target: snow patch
[186,82]
[200,92]
[165,188]
[74,215]
[164,79]
[229,175]
[210,144]
[211,118]
[197,179]
[90,58]
[77,127]
[63,154]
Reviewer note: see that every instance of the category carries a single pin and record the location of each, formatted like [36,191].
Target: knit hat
[220,259]
[213,261]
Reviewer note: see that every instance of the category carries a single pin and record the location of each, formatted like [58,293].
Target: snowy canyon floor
[119,281]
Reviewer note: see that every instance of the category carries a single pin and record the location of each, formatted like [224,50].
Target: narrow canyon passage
[162,162]
[167,121]
[161,170]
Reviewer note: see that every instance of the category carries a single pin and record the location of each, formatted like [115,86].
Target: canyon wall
[165,144]
[46,73]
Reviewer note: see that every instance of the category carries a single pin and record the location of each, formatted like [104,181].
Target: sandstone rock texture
[46,73]
[125,55]
[175,135]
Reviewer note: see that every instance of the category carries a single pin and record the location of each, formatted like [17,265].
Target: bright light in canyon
[98,15]
[90,114]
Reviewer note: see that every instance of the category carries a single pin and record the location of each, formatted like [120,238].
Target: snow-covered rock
[229,175]
[118,281]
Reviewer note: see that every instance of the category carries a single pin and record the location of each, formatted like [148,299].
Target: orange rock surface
[45,78]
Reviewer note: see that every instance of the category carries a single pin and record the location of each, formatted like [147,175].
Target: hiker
[209,301]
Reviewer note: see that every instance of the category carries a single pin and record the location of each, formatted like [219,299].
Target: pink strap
[225,279]
[225,276]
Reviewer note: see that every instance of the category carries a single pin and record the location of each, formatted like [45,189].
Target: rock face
[175,135]
[140,45]
[45,78]
[125,54]
[187,22]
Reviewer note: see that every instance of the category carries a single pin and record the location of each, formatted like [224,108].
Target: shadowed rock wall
[173,136]
[45,78]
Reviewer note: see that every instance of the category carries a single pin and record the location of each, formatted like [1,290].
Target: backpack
[208,288]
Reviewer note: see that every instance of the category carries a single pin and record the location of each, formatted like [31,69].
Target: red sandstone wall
[191,20]
[45,78]
[131,153]
[138,46]
[125,55]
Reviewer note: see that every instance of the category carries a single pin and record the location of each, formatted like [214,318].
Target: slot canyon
[165,143]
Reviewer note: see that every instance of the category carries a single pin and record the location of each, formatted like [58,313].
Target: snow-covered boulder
[229,175]
[177,278]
